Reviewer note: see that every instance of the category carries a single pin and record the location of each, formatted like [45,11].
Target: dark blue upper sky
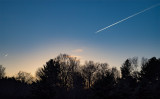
[37,30]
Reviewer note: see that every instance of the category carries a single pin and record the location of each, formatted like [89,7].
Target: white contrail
[128,18]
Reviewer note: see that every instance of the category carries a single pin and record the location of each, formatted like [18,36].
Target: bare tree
[40,74]
[24,77]
[129,68]
[101,69]
[88,72]
[126,69]
[2,71]
[115,73]
[68,66]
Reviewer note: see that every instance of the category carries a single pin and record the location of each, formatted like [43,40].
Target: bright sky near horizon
[34,31]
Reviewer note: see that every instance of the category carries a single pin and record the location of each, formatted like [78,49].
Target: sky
[34,31]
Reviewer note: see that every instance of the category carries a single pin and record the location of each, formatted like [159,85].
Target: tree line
[65,78]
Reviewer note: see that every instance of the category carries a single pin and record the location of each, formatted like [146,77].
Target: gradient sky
[34,31]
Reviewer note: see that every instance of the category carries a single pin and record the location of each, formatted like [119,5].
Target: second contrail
[127,18]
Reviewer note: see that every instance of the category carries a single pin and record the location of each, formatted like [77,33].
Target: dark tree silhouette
[104,85]
[49,80]
[126,69]
[24,77]
[101,70]
[64,78]
[49,72]
[10,88]
[88,72]
[127,84]
[78,80]
[149,87]
[68,66]
[129,68]
[151,70]
[59,74]
[2,72]
[77,91]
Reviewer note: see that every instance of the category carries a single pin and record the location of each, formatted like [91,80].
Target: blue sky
[33,31]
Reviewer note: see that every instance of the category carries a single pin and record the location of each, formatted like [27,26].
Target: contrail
[127,18]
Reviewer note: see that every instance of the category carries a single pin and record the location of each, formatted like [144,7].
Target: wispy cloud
[77,50]
[76,56]
[6,55]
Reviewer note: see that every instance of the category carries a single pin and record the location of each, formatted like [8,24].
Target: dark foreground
[64,78]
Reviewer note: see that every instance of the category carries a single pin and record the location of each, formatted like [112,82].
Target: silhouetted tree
[104,86]
[50,72]
[60,73]
[78,80]
[77,91]
[88,72]
[135,73]
[68,66]
[127,84]
[24,77]
[126,69]
[101,70]
[49,80]
[10,88]
[2,71]
[115,73]
[151,70]
[149,86]
[129,68]
[64,78]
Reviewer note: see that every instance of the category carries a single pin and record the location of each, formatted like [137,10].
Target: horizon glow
[32,32]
